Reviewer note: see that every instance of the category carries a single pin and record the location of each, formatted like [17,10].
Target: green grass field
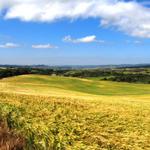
[61,113]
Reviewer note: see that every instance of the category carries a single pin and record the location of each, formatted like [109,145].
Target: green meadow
[64,113]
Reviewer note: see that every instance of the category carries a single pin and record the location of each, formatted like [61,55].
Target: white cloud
[134,42]
[44,46]
[137,42]
[130,17]
[9,45]
[86,39]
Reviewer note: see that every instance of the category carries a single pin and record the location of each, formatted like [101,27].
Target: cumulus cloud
[86,39]
[134,42]
[44,46]
[137,42]
[130,17]
[9,45]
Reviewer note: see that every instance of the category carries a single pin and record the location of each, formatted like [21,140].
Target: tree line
[119,75]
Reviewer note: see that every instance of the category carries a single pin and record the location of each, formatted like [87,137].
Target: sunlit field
[63,113]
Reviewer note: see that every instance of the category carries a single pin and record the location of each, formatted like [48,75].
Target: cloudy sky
[74,32]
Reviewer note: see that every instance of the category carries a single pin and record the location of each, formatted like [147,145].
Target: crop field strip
[72,119]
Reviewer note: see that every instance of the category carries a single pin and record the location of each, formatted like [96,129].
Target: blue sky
[77,37]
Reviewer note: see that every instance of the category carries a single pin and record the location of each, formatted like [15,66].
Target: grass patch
[44,84]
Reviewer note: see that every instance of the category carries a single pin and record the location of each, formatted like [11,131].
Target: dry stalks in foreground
[9,140]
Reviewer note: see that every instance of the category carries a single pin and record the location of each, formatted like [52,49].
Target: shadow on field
[9,140]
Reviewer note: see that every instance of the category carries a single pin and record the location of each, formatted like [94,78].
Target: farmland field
[64,113]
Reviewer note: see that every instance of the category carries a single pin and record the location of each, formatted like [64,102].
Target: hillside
[48,85]
[61,113]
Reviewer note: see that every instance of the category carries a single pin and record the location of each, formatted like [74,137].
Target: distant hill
[77,66]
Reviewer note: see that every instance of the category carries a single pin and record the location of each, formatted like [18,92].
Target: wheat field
[62,113]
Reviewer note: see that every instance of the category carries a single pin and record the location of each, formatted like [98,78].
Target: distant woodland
[131,75]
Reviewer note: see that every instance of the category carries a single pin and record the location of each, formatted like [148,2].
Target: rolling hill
[59,113]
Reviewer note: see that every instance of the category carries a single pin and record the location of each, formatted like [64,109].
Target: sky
[69,32]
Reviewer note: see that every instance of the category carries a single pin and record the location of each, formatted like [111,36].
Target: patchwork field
[62,113]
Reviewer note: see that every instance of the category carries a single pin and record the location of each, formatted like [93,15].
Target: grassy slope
[75,114]
[45,85]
